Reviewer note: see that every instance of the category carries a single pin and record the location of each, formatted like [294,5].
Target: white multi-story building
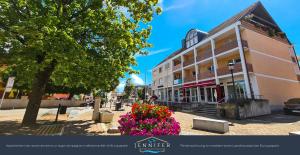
[265,64]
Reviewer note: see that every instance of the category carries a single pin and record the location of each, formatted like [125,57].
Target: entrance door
[187,95]
[202,94]
[211,95]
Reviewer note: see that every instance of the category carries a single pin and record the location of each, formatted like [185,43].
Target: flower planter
[148,120]
[105,116]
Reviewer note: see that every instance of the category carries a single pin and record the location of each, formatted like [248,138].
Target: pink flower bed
[148,120]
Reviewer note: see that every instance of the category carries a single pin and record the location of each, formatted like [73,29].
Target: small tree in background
[128,90]
[141,93]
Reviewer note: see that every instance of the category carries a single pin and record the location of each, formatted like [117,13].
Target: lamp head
[231,66]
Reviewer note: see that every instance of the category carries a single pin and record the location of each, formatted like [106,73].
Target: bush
[148,120]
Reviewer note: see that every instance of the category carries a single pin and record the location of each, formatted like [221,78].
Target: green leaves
[92,41]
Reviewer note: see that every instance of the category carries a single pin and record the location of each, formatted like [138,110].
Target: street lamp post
[231,68]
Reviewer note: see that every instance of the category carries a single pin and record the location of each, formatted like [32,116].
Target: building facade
[264,60]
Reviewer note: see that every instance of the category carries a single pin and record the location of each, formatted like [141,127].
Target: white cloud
[136,80]
[178,5]
[154,52]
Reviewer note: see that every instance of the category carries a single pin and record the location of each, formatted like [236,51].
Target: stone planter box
[208,124]
[246,110]
[105,116]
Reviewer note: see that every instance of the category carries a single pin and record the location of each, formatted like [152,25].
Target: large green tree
[72,43]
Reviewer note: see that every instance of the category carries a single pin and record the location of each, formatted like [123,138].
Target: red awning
[206,83]
[189,85]
[200,84]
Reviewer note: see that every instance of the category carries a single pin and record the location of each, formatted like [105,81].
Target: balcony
[206,75]
[188,62]
[228,46]
[176,67]
[237,68]
[177,81]
[204,55]
[263,30]
[189,79]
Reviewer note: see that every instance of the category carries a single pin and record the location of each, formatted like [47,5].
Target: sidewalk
[78,121]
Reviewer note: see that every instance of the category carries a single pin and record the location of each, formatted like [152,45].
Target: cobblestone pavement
[81,124]
[275,124]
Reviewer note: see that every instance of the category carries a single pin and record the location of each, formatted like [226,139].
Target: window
[194,95]
[154,73]
[161,81]
[211,69]
[160,70]
[235,61]
[202,94]
[194,74]
[240,89]
[167,66]
[176,95]
[191,39]
[238,60]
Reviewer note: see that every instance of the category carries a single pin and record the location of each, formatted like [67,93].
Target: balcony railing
[189,79]
[228,46]
[177,81]
[237,68]
[263,31]
[188,62]
[176,67]
[204,54]
[205,75]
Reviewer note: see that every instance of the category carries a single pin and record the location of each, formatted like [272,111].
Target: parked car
[292,106]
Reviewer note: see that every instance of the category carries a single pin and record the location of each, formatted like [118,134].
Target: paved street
[78,121]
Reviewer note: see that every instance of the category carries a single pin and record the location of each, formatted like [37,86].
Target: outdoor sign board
[8,88]
[10,84]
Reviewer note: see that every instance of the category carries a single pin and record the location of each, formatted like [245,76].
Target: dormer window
[191,39]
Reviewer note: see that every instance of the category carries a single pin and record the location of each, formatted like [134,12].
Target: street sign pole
[8,87]
[2,98]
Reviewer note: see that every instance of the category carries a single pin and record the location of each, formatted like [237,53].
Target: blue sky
[179,16]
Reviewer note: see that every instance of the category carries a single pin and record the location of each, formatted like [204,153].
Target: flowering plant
[148,120]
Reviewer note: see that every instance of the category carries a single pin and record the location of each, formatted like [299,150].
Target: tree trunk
[37,91]
[95,116]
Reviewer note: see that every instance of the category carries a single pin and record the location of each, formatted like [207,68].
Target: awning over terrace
[200,84]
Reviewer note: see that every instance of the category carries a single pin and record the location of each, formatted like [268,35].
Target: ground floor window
[187,95]
[194,94]
[161,95]
[170,95]
[202,94]
[239,89]
[176,95]
[211,94]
